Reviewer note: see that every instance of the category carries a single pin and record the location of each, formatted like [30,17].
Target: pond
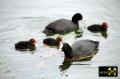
[25,19]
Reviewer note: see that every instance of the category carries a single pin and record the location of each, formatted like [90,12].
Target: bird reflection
[78,33]
[31,52]
[68,62]
[65,65]
[104,34]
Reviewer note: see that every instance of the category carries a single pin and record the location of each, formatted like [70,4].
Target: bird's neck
[68,53]
[75,21]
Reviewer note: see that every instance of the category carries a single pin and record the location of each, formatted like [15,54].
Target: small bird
[81,49]
[26,45]
[53,42]
[63,26]
[98,28]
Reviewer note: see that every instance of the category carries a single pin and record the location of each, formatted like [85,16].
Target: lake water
[25,19]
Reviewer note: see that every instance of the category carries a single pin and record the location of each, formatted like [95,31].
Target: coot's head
[105,25]
[76,18]
[67,50]
[33,41]
[59,39]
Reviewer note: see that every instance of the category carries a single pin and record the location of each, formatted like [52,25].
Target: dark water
[25,19]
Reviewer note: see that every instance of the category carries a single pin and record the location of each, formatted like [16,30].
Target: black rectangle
[108,71]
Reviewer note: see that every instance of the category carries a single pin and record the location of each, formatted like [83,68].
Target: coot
[98,28]
[81,49]
[63,26]
[26,45]
[52,41]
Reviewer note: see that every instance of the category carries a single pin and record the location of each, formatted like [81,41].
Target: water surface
[25,19]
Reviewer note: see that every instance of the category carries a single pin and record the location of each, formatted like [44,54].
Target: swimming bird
[63,26]
[26,45]
[52,41]
[81,49]
[98,28]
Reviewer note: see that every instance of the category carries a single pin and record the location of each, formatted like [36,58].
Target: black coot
[26,45]
[98,28]
[52,41]
[63,26]
[81,49]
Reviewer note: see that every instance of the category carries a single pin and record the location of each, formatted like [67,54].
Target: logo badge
[108,71]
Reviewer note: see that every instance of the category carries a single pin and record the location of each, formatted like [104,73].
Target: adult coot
[81,49]
[63,26]
[52,41]
[98,28]
[26,45]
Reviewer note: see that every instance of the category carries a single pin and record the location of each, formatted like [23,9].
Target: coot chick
[98,28]
[26,45]
[63,26]
[81,49]
[52,41]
